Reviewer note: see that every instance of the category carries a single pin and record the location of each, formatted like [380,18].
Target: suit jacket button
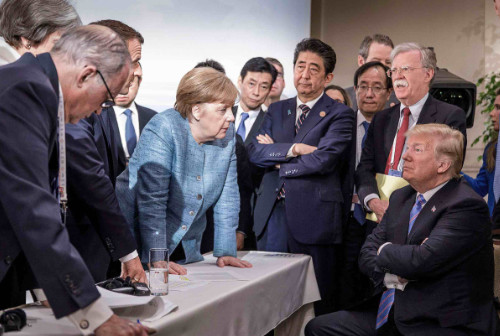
[198,178]
[8,260]
[191,213]
[84,324]
[199,197]
[184,227]
[276,189]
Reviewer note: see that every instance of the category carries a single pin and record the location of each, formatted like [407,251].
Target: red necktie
[400,142]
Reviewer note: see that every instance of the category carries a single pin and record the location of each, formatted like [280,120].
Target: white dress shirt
[121,118]
[252,116]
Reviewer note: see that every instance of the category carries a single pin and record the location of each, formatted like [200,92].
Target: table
[278,294]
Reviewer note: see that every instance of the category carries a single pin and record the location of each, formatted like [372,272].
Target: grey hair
[35,19]
[93,45]
[427,55]
[364,48]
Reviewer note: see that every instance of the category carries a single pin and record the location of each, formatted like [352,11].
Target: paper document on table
[386,186]
[181,283]
[145,308]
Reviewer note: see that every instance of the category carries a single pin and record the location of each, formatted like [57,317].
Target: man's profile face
[410,86]
[279,83]
[377,52]
[370,81]
[135,50]
[309,75]
[254,89]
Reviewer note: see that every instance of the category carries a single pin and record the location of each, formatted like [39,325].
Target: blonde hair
[204,85]
[449,143]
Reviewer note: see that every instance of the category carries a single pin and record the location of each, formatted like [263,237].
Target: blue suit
[170,183]
[483,183]
[314,202]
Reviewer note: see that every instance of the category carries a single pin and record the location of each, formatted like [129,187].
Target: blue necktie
[241,128]
[359,214]
[496,179]
[130,135]
[387,298]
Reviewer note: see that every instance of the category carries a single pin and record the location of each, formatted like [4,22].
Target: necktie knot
[406,112]
[127,112]
[421,200]
[241,131]
[365,124]
[244,116]
[305,109]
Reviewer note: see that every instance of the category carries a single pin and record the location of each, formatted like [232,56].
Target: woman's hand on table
[176,269]
[232,261]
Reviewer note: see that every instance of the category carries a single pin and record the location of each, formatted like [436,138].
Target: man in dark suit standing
[95,222]
[128,118]
[412,72]
[431,257]
[255,82]
[303,143]
[39,95]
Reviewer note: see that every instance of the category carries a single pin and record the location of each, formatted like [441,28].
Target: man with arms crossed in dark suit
[412,72]
[68,84]
[304,143]
[431,256]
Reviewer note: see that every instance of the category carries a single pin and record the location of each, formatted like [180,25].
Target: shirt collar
[309,104]
[416,108]
[250,112]
[360,118]
[429,193]
[119,110]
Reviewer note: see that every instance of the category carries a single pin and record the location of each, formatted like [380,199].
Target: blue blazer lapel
[318,112]
[289,113]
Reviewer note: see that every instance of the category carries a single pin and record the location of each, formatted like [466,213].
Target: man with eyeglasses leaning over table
[412,72]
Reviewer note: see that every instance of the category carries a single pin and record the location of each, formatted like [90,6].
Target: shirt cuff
[392,281]
[40,294]
[129,256]
[243,233]
[290,154]
[368,199]
[88,319]
[382,246]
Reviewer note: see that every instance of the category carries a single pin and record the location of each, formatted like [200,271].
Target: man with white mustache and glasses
[412,72]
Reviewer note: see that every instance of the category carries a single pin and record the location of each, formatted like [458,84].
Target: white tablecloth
[280,288]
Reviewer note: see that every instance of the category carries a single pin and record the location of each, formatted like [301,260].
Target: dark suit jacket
[313,182]
[381,134]
[451,274]
[95,222]
[145,115]
[30,220]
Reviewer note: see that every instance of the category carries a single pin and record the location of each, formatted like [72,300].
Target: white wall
[179,34]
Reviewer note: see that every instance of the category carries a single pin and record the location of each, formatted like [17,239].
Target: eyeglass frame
[404,69]
[376,90]
[107,103]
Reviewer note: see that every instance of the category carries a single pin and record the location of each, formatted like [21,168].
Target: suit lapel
[143,120]
[118,140]
[427,115]
[289,114]
[391,130]
[318,112]
[255,127]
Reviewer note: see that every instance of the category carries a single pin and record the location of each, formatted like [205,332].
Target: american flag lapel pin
[433,208]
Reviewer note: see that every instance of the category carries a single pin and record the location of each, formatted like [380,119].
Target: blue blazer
[170,183]
[483,183]
[314,182]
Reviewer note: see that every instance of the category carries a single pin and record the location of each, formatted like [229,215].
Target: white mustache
[401,82]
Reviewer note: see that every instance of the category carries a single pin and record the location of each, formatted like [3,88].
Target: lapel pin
[322,114]
[433,209]
[289,112]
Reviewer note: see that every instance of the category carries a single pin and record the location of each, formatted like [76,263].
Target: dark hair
[210,63]
[35,19]
[259,64]
[342,92]
[318,47]
[364,48]
[126,32]
[365,67]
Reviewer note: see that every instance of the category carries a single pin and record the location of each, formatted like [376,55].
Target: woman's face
[336,95]
[213,120]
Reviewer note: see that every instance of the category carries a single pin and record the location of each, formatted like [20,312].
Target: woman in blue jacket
[183,164]
[483,183]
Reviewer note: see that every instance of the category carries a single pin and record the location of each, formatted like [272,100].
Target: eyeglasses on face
[376,89]
[108,102]
[403,70]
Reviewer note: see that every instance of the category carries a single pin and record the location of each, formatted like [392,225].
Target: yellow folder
[386,185]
